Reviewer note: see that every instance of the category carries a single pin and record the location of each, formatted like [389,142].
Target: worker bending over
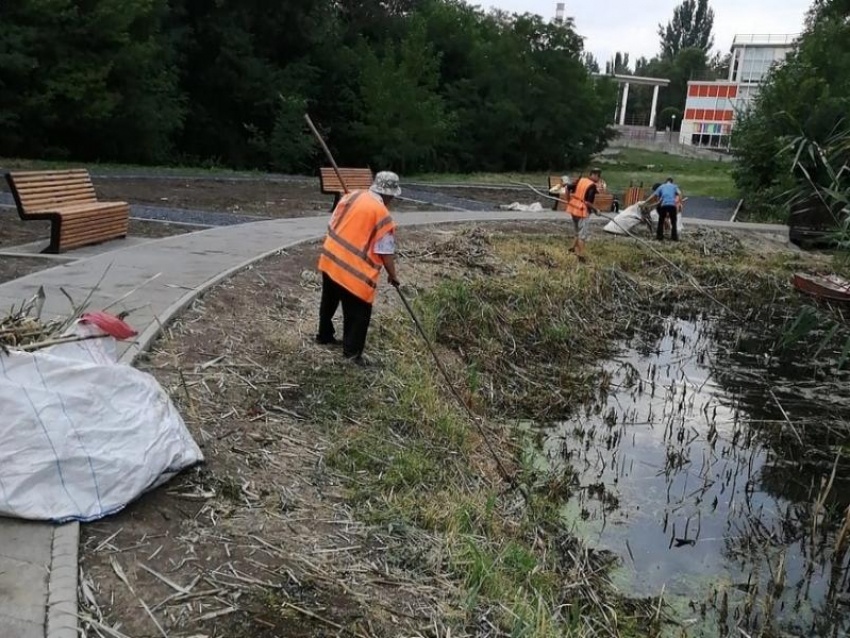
[670,202]
[582,195]
[360,239]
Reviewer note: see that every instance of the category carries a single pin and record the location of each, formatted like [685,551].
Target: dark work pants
[673,213]
[356,315]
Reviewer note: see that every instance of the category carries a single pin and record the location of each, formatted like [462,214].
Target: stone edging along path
[156,281]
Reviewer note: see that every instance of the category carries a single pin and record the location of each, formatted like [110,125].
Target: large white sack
[627,219]
[81,436]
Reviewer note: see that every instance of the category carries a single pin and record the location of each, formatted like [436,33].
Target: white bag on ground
[81,436]
[627,219]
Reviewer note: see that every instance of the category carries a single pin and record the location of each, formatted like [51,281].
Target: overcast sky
[631,25]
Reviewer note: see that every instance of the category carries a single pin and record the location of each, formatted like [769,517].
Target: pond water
[704,468]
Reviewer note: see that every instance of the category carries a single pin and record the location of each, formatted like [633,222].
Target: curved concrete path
[155,280]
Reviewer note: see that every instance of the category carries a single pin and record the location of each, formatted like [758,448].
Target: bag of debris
[81,435]
[526,208]
[629,219]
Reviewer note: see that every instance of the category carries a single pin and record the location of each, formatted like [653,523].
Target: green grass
[697,177]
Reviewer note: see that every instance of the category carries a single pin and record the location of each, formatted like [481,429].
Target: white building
[713,107]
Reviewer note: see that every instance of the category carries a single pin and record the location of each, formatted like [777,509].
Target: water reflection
[705,469]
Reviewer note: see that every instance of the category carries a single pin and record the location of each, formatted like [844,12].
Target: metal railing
[755,38]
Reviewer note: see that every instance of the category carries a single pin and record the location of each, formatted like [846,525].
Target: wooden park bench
[357,179]
[634,194]
[68,201]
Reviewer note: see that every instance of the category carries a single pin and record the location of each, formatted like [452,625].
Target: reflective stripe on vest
[347,255]
[577,207]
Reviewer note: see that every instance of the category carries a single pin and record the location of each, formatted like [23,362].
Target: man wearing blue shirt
[669,197]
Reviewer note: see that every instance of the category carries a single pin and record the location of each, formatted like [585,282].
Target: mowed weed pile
[523,336]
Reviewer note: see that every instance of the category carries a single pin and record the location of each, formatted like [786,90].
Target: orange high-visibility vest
[348,256]
[577,207]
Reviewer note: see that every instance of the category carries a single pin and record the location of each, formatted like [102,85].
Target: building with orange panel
[712,107]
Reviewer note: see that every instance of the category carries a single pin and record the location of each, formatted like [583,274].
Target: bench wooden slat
[68,200]
[39,176]
[84,222]
[56,192]
[51,204]
[72,208]
[55,187]
[53,183]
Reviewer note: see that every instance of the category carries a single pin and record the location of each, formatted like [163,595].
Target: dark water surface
[688,470]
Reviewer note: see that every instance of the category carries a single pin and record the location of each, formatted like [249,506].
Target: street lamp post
[672,129]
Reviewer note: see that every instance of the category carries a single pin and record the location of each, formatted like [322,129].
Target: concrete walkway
[155,280]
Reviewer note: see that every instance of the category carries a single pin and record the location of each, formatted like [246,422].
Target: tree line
[415,85]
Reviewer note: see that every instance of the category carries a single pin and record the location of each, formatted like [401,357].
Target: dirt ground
[259,541]
[496,196]
[261,198]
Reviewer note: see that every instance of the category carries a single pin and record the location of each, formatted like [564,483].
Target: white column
[625,104]
[654,105]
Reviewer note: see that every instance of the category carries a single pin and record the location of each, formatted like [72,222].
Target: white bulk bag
[629,218]
[81,436]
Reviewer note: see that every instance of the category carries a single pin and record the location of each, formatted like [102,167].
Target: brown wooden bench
[68,201]
[357,179]
[634,194]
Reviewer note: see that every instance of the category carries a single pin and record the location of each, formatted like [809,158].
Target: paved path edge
[62,602]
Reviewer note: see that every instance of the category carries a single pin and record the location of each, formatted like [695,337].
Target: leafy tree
[590,62]
[691,28]
[619,65]
[405,118]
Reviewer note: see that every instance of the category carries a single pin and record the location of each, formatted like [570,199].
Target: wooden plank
[35,175]
[42,203]
[80,238]
[105,230]
[48,187]
[89,229]
[59,195]
[69,189]
[72,209]
[55,187]
[92,225]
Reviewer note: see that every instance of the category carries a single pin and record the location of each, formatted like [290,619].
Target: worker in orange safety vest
[580,204]
[360,239]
